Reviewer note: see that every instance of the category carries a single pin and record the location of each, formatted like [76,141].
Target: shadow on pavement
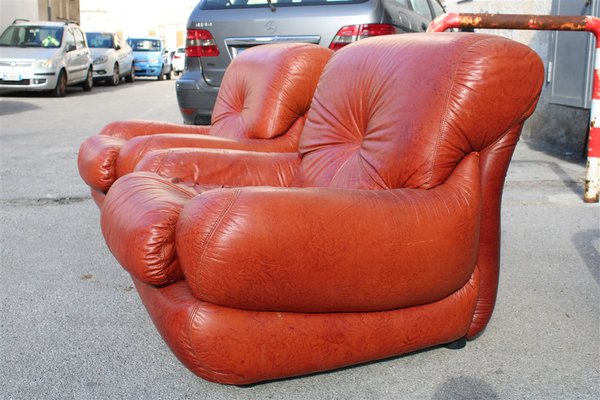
[16,107]
[583,242]
[464,388]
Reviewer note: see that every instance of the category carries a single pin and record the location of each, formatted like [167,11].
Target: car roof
[145,37]
[44,23]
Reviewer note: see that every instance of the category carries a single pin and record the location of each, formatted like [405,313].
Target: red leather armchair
[379,237]
[261,106]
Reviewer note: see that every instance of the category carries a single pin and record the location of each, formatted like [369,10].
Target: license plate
[12,77]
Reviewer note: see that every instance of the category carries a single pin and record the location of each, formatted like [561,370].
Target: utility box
[571,58]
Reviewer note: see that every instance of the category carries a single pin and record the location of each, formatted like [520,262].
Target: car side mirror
[71,47]
[117,47]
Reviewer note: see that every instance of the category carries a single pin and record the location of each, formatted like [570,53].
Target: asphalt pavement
[73,327]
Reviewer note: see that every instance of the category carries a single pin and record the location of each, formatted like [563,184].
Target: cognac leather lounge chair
[379,237]
[261,106]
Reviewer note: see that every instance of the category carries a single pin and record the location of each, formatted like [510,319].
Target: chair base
[457,344]
[242,347]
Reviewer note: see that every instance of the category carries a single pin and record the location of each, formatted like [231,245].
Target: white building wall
[139,18]
[12,9]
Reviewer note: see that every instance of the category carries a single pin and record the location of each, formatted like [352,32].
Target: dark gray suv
[219,30]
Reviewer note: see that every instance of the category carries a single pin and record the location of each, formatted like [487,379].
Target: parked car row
[219,30]
[112,57]
[52,55]
[49,56]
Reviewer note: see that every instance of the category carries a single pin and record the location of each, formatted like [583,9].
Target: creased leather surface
[134,128]
[222,167]
[96,161]
[380,237]
[138,221]
[134,150]
[264,95]
[473,94]
[261,106]
[466,98]
[331,250]
[233,346]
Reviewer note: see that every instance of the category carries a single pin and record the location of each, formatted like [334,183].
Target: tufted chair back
[391,130]
[259,102]
[394,131]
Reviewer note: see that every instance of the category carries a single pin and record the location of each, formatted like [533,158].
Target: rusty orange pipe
[547,23]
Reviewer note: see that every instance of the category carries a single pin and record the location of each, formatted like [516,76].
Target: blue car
[150,58]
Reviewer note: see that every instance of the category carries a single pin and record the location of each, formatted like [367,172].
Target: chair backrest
[402,111]
[266,89]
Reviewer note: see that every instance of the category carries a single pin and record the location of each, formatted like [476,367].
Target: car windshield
[223,4]
[100,40]
[144,44]
[32,36]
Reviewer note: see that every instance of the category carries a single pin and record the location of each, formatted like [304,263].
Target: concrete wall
[37,10]
[559,129]
[59,9]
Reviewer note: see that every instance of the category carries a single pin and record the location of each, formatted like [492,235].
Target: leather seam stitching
[217,222]
[190,323]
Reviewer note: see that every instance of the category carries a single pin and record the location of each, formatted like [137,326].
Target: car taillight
[351,33]
[200,43]
[177,55]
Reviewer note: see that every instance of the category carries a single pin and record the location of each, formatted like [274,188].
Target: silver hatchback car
[219,30]
[45,55]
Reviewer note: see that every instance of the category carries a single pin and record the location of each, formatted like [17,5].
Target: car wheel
[61,85]
[116,78]
[131,77]
[168,75]
[88,84]
[161,76]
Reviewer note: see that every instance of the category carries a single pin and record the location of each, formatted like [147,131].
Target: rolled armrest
[136,148]
[138,220]
[96,160]
[99,154]
[222,167]
[331,250]
[133,128]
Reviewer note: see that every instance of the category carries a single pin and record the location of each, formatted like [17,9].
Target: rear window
[144,44]
[223,4]
[100,40]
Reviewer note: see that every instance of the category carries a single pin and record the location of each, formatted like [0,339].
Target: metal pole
[552,23]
